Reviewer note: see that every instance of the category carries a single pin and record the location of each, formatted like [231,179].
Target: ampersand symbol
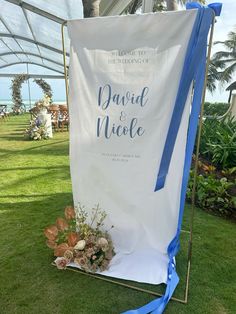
[123,116]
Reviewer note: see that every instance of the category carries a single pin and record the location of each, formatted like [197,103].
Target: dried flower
[93,268]
[94,257]
[61,224]
[81,261]
[79,254]
[76,240]
[60,249]
[68,255]
[61,262]
[69,212]
[51,232]
[72,238]
[51,244]
[102,242]
[104,265]
[80,245]
[109,254]
[89,252]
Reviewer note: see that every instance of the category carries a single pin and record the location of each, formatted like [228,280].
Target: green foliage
[212,193]
[215,109]
[225,60]
[34,188]
[218,142]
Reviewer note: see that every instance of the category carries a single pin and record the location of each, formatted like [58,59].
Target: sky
[225,24]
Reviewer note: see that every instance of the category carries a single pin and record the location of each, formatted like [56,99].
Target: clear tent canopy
[30,31]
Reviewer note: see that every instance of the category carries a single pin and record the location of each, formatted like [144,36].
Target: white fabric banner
[123,80]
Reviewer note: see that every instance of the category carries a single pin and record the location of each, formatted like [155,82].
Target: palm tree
[226,59]
[91,8]
[212,76]
[172,5]
[159,5]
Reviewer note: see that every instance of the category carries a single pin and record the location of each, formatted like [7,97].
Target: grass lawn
[35,188]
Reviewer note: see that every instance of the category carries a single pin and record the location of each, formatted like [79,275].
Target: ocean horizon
[28,104]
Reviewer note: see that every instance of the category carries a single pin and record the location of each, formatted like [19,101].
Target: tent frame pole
[64,63]
[193,198]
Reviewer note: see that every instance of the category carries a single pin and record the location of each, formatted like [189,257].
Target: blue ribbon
[190,66]
[199,40]
[216,6]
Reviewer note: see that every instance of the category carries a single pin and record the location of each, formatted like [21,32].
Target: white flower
[80,245]
[102,242]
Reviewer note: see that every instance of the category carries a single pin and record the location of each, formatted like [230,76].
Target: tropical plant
[213,193]
[172,5]
[213,75]
[225,60]
[216,109]
[218,142]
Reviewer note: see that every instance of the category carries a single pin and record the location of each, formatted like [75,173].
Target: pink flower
[81,261]
[68,255]
[61,262]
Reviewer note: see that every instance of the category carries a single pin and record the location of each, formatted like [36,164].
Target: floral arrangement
[16,94]
[75,239]
[17,82]
[45,87]
[43,103]
[36,131]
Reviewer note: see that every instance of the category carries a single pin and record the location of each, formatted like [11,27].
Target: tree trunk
[171,5]
[91,8]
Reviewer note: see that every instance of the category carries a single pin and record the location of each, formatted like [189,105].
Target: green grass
[35,188]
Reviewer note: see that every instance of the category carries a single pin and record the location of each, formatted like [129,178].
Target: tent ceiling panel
[35,26]
[39,64]
[3,29]
[27,46]
[54,66]
[13,58]
[3,47]
[31,59]
[13,18]
[34,69]
[11,44]
[65,9]
[21,68]
[55,56]
[30,54]
[45,30]
[2,61]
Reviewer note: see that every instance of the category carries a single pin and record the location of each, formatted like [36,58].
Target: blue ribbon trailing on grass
[198,41]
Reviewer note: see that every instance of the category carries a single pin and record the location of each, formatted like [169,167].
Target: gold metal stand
[190,232]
